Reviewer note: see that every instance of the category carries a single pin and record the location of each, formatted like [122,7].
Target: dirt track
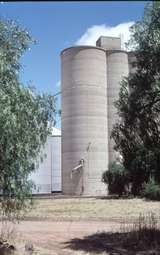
[52,236]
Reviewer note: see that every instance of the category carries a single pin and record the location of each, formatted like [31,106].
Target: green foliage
[151,191]
[117,179]
[25,121]
[137,134]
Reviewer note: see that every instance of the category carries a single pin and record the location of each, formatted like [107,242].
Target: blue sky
[57,25]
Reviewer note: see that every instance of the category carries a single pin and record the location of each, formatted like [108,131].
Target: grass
[139,233]
[139,238]
[91,209]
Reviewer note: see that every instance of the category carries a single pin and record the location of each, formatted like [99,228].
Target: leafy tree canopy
[25,121]
[137,134]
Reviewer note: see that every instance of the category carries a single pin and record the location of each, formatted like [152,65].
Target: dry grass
[91,209]
[120,211]
[139,238]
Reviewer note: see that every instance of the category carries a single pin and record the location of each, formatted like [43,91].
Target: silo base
[92,189]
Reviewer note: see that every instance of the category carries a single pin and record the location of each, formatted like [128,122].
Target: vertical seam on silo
[107,105]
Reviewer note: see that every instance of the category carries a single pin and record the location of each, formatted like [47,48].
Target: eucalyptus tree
[137,134]
[25,121]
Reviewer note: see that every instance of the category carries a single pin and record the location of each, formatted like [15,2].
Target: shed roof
[55,132]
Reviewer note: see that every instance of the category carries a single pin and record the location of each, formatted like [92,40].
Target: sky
[58,25]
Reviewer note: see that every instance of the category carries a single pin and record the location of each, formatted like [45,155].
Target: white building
[47,177]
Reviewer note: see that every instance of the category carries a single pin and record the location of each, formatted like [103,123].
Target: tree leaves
[137,135]
[25,121]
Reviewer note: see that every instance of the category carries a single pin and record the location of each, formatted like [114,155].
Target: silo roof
[82,47]
[55,132]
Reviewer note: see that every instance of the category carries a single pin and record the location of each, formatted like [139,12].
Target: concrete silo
[117,69]
[91,79]
[84,120]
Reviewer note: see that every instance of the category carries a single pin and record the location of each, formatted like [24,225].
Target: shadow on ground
[118,243]
[115,197]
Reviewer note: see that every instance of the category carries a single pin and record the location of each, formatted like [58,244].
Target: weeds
[139,238]
[143,233]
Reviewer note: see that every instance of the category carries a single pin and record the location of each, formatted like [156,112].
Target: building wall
[47,176]
[56,164]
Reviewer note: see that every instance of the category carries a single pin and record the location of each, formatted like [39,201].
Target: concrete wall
[117,68]
[84,120]
[109,43]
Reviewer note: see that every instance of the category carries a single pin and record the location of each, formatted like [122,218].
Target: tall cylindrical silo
[84,120]
[117,68]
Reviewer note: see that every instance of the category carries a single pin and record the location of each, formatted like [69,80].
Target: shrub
[117,179]
[151,191]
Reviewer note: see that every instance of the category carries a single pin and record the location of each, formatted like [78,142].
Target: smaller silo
[117,69]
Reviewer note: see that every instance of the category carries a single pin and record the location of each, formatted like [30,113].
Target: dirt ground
[54,237]
[81,226]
